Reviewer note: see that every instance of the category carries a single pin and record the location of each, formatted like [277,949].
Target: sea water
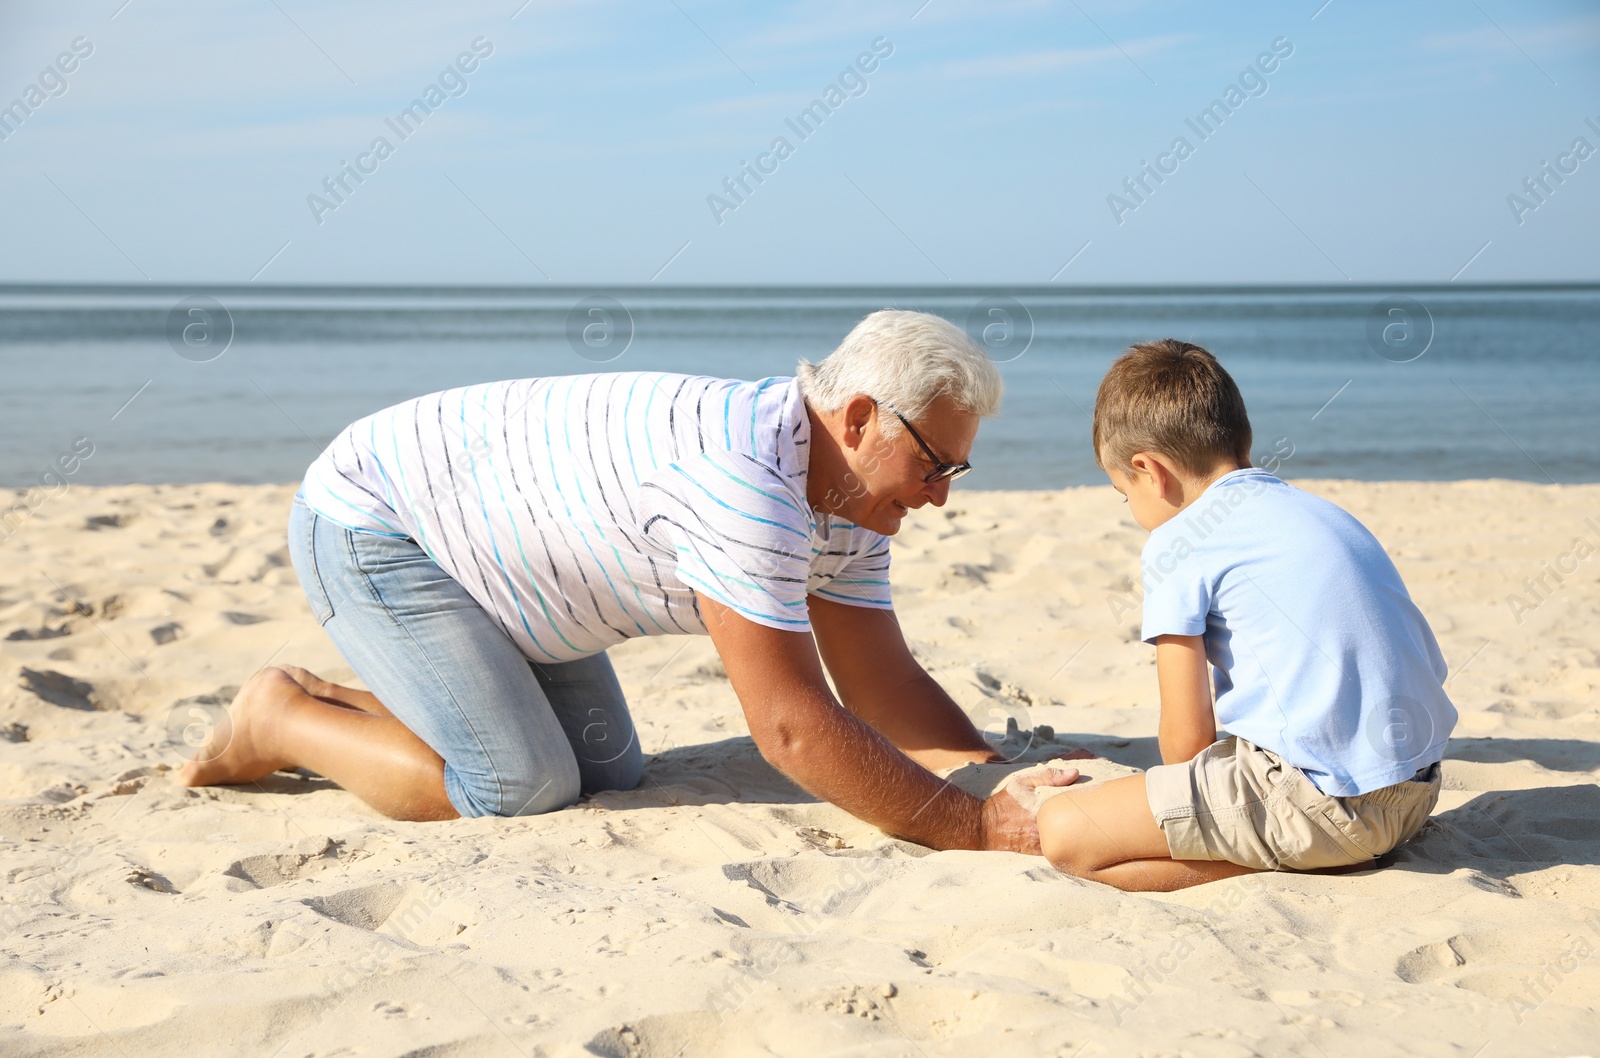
[247,384]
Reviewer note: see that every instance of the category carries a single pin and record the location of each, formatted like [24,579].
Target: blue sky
[983,149]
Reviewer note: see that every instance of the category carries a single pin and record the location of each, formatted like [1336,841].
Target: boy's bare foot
[239,749]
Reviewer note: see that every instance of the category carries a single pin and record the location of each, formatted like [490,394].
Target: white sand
[718,910]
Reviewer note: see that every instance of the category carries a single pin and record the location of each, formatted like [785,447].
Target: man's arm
[1188,723]
[802,731]
[880,682]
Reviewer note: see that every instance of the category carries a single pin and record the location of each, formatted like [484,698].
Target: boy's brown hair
[1174,399]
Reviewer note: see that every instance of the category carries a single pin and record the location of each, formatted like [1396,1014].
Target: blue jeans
[517,737]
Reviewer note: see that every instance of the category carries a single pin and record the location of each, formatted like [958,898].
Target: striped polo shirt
[582,510]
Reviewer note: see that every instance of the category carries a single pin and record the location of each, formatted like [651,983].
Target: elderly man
[472,554]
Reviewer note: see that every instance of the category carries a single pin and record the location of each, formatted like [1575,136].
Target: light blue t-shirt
[1318,652]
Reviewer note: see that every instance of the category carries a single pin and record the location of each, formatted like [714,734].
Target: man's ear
[858,412]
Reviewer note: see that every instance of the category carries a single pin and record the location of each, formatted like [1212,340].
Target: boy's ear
[1159,469]
[1146,464]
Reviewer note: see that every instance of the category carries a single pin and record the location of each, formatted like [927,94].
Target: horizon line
[813,289]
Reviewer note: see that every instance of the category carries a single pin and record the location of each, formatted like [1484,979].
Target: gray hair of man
[906,360]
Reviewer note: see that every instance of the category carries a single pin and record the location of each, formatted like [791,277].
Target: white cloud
[1575,35]
[1023,64]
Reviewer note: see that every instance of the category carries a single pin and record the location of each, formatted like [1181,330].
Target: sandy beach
[720,910]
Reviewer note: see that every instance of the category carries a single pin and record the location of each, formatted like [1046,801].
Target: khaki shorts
[1238,802]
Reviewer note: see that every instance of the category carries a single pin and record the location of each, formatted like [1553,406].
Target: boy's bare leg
[1166,876]
[274,723]
[1108,834]
[336,693]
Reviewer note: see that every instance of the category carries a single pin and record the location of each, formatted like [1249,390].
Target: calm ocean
[247,384]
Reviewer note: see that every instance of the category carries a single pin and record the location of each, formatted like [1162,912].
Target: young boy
[1328,679]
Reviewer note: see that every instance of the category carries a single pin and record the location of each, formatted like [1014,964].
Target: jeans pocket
[303,556]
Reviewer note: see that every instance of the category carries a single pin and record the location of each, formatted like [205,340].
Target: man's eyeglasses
[942,471]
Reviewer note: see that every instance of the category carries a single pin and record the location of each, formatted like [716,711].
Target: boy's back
[1319,653]
[1274,614]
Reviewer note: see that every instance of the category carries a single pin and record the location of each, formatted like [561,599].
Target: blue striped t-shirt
[582,510]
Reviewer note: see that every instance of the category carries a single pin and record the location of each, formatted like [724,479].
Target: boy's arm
[1188,724]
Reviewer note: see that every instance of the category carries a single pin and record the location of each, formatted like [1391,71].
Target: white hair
[906,360]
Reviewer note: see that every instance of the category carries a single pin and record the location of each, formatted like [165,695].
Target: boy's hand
[1009,820]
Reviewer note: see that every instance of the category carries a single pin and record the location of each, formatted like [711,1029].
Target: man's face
[887,474]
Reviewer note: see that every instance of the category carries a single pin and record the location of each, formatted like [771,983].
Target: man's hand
[1010,816]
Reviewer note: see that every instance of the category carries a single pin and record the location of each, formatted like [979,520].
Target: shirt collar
[793,453]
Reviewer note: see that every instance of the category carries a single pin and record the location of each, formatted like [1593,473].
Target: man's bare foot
[335,693]
[238,749]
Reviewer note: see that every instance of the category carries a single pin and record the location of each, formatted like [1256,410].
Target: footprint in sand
[58,688]
[240,565]
[37,633]
[108,521]
[1543,708]
[962,577]
[167,633]
[234,617]
[1431,961]
[271,869]
[149,879]
[62,792]
[367,907]
[392,1009]
[711,670]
